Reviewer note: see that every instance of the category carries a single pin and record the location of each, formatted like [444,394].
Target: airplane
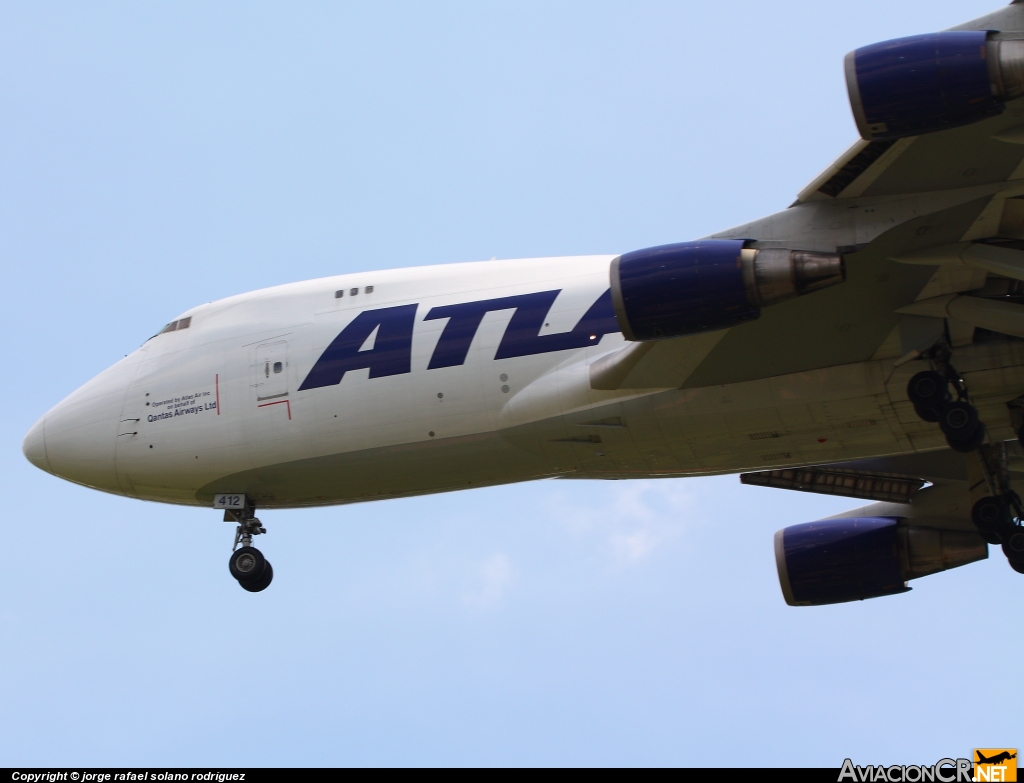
[999,758]
[867,342]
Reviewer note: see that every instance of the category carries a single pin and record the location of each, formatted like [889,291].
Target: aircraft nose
[77,438]
[34,446]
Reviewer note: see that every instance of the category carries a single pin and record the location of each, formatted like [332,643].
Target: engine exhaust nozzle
[774,275]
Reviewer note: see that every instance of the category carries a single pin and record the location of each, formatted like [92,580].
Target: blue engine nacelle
[838,560]
[927,83]
[691,287]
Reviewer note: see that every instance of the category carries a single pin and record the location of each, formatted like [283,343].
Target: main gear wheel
[929,391]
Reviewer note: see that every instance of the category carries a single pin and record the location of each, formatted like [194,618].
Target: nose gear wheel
[247,564]
[263,582]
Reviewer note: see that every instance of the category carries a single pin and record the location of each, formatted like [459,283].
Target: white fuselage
[267,394]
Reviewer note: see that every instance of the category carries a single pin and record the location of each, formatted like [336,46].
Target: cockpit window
[174,326]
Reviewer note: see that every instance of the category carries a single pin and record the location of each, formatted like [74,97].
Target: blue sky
[153,157]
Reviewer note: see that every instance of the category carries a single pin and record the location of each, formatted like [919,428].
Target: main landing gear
[999,514]
[998,520]
[247,564]
[958,419]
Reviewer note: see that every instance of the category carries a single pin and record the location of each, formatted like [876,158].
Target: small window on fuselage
[278,367]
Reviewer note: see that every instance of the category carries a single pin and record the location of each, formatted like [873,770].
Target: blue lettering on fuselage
[391,353]
[392,349]
[522,337]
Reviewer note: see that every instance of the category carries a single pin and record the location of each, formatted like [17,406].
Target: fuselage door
[271,371]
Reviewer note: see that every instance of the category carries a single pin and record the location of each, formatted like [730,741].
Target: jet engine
[838,560]
[692,287]
[926,83]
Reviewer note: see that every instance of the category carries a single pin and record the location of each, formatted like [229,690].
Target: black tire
[247,564]
[1017,565]
[263,582]
[958,421]
[971,444]
[1013,543]
[928,390]
[926,414]
[990,515]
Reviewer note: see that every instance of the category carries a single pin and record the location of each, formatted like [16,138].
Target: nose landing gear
[247,564]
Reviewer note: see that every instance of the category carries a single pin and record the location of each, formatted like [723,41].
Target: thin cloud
[633,518]
[493,576]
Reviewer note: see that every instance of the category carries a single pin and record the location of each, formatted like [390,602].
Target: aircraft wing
[976,154]
[881,200]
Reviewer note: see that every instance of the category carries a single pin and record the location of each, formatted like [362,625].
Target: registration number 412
[229,502]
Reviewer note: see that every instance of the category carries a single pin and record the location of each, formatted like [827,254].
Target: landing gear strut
[247,564]
[998,516]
